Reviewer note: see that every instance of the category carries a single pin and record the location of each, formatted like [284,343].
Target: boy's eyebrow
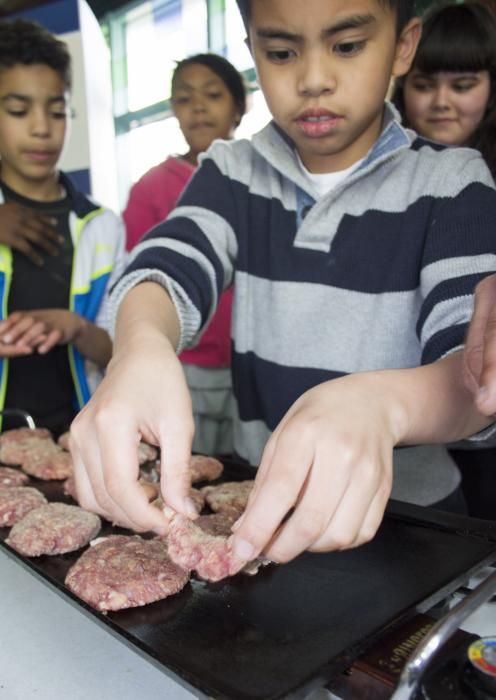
[351,22]
[27,98]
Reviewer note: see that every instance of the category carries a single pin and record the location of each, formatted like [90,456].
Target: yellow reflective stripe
[6,268]
[102,271]
[80,224]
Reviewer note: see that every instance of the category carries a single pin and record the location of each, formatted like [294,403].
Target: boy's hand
[28,232]
[329,466]
[40,329]
[144,395]
[480,348]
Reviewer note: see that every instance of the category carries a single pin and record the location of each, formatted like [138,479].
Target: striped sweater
[378,273]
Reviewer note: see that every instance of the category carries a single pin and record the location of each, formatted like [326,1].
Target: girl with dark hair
[449,95]
[209,100]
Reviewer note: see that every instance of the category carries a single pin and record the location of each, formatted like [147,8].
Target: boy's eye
[181,100]
[214,95]
[58,115]
[349,48]
[280,55]
[17,112]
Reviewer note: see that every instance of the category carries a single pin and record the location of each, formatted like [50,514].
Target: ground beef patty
[15,444]
[218,524]
[194,549]
[229,498]
[16,502]
[125,572]
[205,468]
[12,477]
[54,528]
[146,453]
[48,462]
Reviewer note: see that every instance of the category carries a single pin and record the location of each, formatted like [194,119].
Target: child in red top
[208,99]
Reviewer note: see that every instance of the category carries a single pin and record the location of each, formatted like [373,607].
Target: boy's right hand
[28,232]
[144,395]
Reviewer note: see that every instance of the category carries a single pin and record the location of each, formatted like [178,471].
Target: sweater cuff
[189,316]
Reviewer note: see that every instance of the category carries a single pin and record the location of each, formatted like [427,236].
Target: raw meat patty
[203,468]
[218,524]
[125,572]
[54,528]
[48,461]
[16,502]
[147,453]
[15,444]
[12,477]
[229,498]
[196,496]
[194,549]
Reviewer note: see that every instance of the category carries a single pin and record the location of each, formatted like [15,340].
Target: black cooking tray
[292,627]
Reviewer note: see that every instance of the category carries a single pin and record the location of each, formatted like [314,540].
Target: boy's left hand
[329,466]
[39,329]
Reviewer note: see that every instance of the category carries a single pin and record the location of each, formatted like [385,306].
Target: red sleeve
[139,214]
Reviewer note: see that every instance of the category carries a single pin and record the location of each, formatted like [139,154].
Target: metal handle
[439,634]
[19,412]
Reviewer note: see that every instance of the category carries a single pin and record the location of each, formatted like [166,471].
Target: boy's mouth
[317,122]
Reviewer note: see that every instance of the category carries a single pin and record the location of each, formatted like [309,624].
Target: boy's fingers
[118,447]
[175,472]
[281,488]
[319,501]
[480,347]
[350,528]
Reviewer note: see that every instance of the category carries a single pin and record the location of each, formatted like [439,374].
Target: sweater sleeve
[460,249]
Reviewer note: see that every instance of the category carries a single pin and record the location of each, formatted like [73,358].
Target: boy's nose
[317,77]
[40,123]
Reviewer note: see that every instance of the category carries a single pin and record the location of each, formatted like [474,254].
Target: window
[146,40]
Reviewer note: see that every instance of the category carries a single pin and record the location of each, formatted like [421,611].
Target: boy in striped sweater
[354,247]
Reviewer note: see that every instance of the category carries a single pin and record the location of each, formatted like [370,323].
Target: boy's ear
[407,46]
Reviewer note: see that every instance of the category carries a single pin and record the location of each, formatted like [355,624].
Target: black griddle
[292,627]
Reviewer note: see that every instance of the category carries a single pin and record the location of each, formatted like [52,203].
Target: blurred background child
[209,100]
[57,248]
[449,95]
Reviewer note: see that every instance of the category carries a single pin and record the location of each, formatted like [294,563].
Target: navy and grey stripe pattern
[378,273]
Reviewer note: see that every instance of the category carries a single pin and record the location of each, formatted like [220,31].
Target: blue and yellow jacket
[98,240]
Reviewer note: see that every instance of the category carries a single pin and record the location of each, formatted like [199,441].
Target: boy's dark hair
[28,43]
[405,10]
[224,70]
[455,39]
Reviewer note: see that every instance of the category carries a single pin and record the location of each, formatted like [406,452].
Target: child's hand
[330,459]
[480,348]
[28,232]
[143,395]
[40,329]
[19,334]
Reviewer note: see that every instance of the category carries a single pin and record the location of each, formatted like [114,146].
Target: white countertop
[52,651]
